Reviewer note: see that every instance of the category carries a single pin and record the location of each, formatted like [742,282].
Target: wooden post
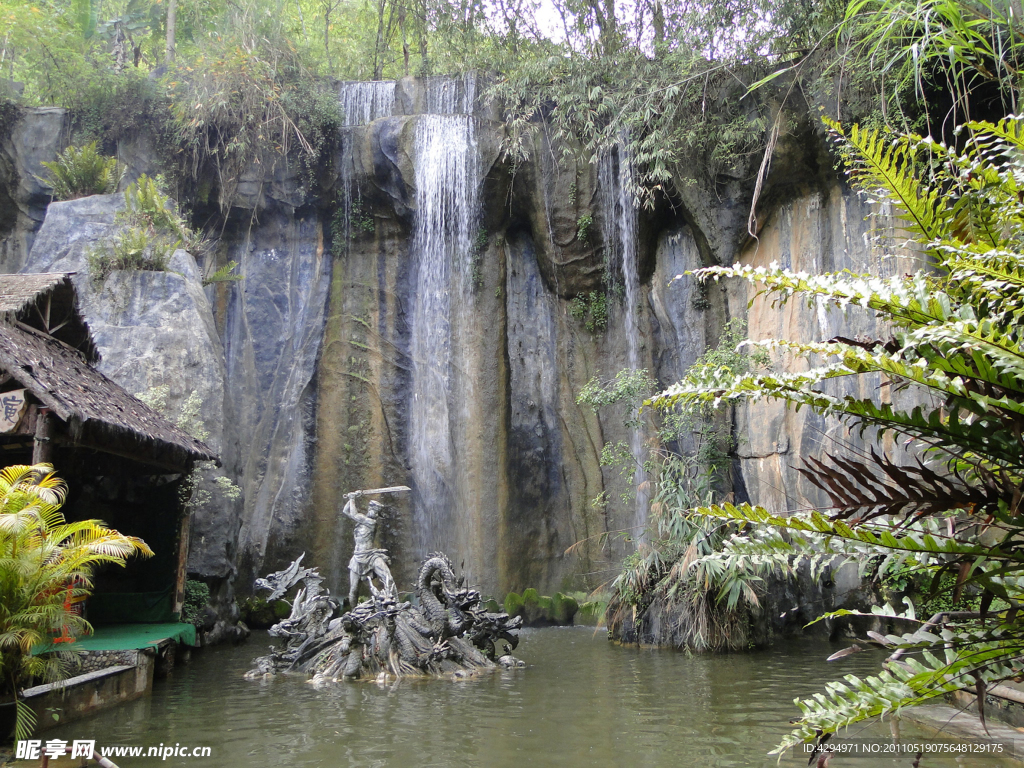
[179,580]
[42,449]
[181,572]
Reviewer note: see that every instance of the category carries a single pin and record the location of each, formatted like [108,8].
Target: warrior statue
[366,559]
[448,633]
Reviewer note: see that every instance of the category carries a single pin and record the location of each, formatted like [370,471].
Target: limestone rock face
[152,329]
[272,326]
[826,229]
[36,135]
[322,371]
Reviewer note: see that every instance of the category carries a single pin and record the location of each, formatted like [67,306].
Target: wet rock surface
[308,368]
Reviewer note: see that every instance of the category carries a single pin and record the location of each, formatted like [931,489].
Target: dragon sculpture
[448,633]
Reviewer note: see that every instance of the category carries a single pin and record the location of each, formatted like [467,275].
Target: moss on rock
[541,610]
[257,613]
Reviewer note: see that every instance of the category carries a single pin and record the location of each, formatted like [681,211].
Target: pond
[581,702]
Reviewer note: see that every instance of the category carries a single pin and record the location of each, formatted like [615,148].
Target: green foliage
[951,509]
[245,108]
[592,607]
[249,84]
[590,309]
[257,613]
[479,247]
[151,230]
[918,48]
[46,566]
[224,274]
[197,597]
[82,171]
[131,250]
[655,107]
[194,493]
[583,224]
[110,107]
[491,605]
[148,207]
[360,221]
[541,610]
[513,604]
[682,557]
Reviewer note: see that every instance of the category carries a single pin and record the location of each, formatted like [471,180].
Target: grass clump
[133,250]
[152,230]
[82,171]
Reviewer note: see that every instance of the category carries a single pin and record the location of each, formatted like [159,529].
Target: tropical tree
[46,567]
[951,502]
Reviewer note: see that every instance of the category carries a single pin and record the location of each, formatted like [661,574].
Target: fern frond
[877,159]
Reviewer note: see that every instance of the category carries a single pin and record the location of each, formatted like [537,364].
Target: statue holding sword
[368,560]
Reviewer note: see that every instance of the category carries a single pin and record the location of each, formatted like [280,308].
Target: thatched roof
[17,292]
[98,412]
[49,303]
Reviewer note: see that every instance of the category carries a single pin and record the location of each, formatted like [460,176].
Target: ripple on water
[581,702]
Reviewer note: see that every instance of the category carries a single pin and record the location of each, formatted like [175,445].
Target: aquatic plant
[46,567]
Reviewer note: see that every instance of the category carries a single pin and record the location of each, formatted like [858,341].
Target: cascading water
[615,177]
[446,202]
[361,103]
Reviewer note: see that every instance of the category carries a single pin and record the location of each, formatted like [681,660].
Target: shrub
[248,107]
[46,566]
[132,250]
[197,597]
[591,310]
[513,604]
[82,171]
[152,230]
[148,207]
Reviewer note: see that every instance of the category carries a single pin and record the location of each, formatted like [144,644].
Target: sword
[391,489]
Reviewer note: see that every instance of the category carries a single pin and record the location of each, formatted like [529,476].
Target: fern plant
[953,505]
[149,208]
[82,171]
[151,231]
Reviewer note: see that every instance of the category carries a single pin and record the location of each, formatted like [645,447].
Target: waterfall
[361,103]
[447,209]
[615,177]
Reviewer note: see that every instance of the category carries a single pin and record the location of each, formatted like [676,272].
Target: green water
[580,702]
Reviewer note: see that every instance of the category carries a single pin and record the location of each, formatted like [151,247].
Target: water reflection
[581,702]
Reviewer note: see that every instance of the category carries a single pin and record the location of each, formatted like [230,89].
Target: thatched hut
[124,463]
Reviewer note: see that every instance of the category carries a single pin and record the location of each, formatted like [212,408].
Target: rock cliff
[429,319]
